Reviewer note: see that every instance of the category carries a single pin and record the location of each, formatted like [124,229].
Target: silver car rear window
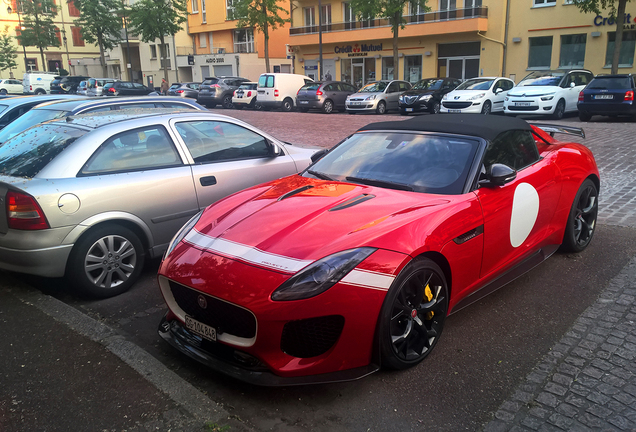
[29,152]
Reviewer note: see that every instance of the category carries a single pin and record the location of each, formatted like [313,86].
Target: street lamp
[9,11]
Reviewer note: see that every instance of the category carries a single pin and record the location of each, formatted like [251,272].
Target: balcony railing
[455,14]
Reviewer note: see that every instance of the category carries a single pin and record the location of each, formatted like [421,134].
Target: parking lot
[486,351]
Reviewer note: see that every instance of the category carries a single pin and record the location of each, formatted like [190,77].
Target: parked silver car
[89,196]
[378,96]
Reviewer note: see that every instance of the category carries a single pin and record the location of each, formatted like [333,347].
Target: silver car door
[140,172]
[392,96]
[228,157]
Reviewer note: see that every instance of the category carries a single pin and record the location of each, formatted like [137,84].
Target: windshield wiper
[319,175]
[380,183]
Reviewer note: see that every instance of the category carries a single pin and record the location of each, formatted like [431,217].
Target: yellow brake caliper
[428,295]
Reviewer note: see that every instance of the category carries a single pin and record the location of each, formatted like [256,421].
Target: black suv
[608,95]
[426,95]
[66,84]
[219,90]
[125,88]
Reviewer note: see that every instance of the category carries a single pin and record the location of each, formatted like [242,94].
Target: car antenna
[69,119]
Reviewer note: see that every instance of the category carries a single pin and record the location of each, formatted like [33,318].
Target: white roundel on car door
[525,208]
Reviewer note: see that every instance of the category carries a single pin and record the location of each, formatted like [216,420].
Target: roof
[21,100]
[478,125]
[78,104]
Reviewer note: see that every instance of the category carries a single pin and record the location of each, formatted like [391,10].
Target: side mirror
[318,155]
[498,175]
[499,90]
[572,85]
[274,150]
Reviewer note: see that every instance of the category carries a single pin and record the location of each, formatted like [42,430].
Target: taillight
[179,91]
[112,90]
[31,88]
[276,93]
[24,213]
[581,97]
[318,93]
[629,96]
[215,86]
[249,93]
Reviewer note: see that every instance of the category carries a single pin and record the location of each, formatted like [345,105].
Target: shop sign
[357,50]
[314,67]
[215,60]
[600,20]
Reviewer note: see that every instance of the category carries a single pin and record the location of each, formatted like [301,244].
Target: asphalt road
[486,350]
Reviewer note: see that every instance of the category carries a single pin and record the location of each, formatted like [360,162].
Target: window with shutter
[77,36]
[72,10]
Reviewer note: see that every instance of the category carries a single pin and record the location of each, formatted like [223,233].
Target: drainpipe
[495,41]
[505,49]
[174,49]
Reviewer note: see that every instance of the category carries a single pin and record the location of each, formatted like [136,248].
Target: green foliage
[8,51]
[598,6]
[37,20]
[259,14]
[155,19]
[98,23]
[213,427]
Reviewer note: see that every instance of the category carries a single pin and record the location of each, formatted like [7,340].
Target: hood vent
[294,192]
[353,201]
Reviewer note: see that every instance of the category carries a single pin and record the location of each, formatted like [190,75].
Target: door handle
[207,181]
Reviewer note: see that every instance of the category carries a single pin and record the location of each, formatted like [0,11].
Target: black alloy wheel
[487,108]
[559,111]
[435,108]
[413,314]
[582,219]
[227,102]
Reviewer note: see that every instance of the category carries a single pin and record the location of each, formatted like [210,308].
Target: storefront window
[387,68]
[369,70]
[357,71]
[572,51]
[626,57]
[413,68]
[540,54]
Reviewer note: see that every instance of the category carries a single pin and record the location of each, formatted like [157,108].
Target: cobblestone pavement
[587,381]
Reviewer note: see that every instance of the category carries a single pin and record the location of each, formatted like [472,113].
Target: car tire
[39,92]
[227,102]
[585,117]
[381,108]
[435,108]
[287,105]
[412,316]
[559,110]
[3,92]
[486,109]
[327,107]
[106,261]
[581,223]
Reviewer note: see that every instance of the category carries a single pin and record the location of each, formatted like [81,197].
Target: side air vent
[294,192]
[353,201]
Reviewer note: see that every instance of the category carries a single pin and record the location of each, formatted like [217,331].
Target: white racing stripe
[356,277]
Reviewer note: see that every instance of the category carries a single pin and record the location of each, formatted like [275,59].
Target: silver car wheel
[110,261]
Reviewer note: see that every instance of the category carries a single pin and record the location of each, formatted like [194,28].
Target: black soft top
[484,126]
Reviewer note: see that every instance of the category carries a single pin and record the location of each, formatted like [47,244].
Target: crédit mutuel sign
[628,23]
[357,50]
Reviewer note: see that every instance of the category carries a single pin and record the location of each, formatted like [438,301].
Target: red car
[354,263]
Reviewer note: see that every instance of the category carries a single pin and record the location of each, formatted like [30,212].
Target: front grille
[522,108]
[311,337]
[223,316]
[457,105]
[410,100]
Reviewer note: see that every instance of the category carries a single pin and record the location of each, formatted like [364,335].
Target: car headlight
[547,98]
[507,99]
[321,275]
[445,97]
[180,235]
[477,96]
[370,97]
[425,97]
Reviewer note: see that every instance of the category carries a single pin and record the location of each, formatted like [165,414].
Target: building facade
[73,54]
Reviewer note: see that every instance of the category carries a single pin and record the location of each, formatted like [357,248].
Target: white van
[37,83]
[278,90]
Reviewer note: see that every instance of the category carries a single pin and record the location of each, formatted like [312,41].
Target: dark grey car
[189,90]
[219,91]
[326,96]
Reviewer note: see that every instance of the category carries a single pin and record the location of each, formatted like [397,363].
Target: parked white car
[552,92]
[10,86]
[483,95]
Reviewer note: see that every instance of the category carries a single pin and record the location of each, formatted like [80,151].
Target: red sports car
[355,263]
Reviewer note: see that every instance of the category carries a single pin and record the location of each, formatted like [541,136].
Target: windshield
[2,108]
[30,151]
[175,86]
[476,84]
[210,81]
[618,83]
[399,160]
[248,86]
[545,78]
[30,118]
[374,87]
[428,84]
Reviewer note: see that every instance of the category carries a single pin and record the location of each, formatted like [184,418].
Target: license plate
[603,97]
[203,330]
[303,102]
[357,103]
[522,103]
[408,109]
[455,111]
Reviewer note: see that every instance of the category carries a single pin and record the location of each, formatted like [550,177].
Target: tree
[8,52]
[393,11]
[99,25]
[39,30]
[261,15]
[617,12]
[156,19]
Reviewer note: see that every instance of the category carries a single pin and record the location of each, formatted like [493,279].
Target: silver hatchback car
[89,196]
[378,96]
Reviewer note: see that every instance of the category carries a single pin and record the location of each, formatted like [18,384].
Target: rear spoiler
[552,129]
